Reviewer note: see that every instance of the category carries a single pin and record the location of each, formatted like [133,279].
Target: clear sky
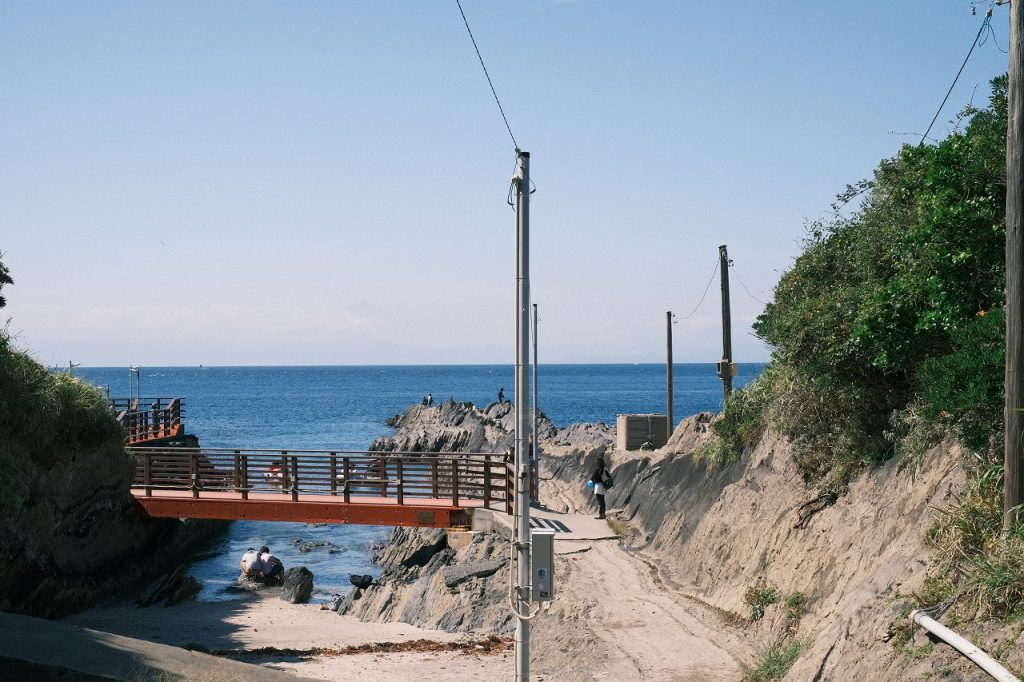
[325,182]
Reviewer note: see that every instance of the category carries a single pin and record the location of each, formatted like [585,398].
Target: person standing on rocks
[598,478]
[501,395]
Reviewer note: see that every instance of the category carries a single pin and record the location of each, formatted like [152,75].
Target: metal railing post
[383,471]
[401,484]
[295,478]
[193,470]
[487,482]
[245,475]
[455,482]
[147,475]
[433,478]
[346,471]
[334,473]
[238,471]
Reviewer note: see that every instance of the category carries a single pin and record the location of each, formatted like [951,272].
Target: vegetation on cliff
[888,334]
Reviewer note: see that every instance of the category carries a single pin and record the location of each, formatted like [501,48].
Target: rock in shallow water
[298,585]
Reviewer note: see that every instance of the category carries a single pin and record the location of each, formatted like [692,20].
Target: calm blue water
[345,408]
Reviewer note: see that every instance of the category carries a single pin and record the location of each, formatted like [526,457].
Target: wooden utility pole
[725,367]
[1013,471]
[668,370]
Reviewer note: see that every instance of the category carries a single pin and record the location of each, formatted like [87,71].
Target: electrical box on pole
[542,575]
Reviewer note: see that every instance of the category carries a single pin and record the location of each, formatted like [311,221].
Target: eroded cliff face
[856,559]
[79,537]
[714,535]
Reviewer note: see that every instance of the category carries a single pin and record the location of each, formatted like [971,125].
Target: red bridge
[436,489]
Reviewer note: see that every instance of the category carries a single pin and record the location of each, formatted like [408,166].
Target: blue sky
[325,182]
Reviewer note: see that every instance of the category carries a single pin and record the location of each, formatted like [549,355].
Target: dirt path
[614,619]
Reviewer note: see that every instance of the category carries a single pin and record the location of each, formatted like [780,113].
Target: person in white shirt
[250,564]
[273,569]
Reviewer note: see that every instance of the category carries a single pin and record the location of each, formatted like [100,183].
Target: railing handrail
[399,474]
[373,453]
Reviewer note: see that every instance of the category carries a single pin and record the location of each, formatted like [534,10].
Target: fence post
[487,482]
[238,472]
[383,476]
[147,475]
[433,477]
[334,473]
[401,484]
[245,475]
[346,469]
[455,482]
[286,478]
[295,478]
[193,470]
[509,488]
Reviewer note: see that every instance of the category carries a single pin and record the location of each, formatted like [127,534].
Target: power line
[984,25]
[748,290]
[484,66]
[706,289]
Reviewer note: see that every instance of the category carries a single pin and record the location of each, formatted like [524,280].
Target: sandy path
[614,620]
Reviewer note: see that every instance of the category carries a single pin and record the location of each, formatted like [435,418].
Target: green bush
[895,311]
[774,661]
[45,418]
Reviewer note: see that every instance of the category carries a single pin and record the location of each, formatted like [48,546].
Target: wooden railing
[346,475]
[149,418]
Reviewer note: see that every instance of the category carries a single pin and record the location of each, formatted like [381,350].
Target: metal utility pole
[534,461]
[1013,482]
[522,416]
[668,368]
[725,366]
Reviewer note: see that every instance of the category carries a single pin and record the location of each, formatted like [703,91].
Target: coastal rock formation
[298,585]
[455,427]
[79,536]
[425,582]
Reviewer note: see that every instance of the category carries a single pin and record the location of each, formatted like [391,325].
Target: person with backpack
[273,569]
[601,480]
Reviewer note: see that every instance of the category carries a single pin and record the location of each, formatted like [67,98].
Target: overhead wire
[706,289]
[488,75]
[740,279]
[985,24]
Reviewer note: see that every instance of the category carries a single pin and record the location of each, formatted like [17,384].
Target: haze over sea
[345,408]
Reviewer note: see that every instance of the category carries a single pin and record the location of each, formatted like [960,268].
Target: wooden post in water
[1013,470]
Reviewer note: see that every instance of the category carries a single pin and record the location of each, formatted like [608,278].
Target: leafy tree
[5,278]
[898,305]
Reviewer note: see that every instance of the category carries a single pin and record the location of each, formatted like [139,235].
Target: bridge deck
[436,490]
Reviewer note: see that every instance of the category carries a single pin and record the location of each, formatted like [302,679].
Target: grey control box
[542,570]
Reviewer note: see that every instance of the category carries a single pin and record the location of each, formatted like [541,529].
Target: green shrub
[758,596]
[45,418]
[774,661]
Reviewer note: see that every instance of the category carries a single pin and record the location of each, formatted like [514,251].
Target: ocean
[345,408]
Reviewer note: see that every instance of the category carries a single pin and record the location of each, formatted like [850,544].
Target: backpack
[609,482]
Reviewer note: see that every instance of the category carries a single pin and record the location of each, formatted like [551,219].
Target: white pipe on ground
[983,660]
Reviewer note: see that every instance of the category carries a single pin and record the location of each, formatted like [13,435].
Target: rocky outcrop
[455,427]
[298,585]
[425,582]
[79,537]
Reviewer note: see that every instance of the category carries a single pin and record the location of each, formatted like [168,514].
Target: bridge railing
[149,418]
[404,476]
